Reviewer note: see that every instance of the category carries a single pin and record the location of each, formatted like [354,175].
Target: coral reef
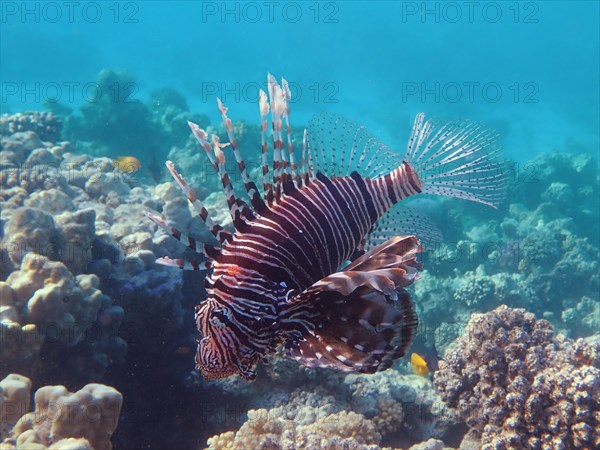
[583,317]
[117,120]
[430,444]
[44,305]
[67,239]
[399,404]
[519,386]
[306,421]
[85,419]
[82,300]
[15,395]
[64,216]
[119,123]
[539,251]
[81,291]
[45,125]
[402,409]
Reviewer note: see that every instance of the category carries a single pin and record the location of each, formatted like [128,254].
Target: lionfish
[318,263]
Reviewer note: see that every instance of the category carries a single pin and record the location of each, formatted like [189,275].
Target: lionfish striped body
[280,277]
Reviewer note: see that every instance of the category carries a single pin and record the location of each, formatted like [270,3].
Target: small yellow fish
[127,164]
[419,365]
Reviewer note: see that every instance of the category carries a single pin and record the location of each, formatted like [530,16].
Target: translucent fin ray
[401,220]
[190,242]
[458,159]
[339,146]
[217,230]
[257,202]
[183,264]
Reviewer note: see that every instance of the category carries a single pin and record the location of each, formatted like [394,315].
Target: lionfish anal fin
[359,319]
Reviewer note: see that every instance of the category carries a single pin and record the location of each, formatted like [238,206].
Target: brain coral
[518,385]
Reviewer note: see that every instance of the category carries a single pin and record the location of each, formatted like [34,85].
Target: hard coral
[399,404]
[45,124]
[539,251]
[15,393]
[85,419]
[518,385]
[67,239]
[475,289]
[306,421]
[43,304]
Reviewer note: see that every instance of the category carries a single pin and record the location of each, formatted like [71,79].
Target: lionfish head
[220,353]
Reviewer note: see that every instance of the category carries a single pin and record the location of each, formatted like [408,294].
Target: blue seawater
[121,78]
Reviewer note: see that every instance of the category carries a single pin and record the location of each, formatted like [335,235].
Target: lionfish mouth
[216,374]
[213,373]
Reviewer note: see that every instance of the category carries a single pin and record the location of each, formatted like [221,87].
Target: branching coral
[519,386]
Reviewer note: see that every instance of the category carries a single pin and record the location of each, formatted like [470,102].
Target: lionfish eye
[220,317]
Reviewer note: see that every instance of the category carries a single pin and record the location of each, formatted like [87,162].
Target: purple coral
[519,386]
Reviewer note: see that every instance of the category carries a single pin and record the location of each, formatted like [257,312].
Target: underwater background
[98,341]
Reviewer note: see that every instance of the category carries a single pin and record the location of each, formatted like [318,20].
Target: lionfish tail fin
[458,159]
[358,320]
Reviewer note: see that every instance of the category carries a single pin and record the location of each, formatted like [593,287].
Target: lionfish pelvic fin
[360,319]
